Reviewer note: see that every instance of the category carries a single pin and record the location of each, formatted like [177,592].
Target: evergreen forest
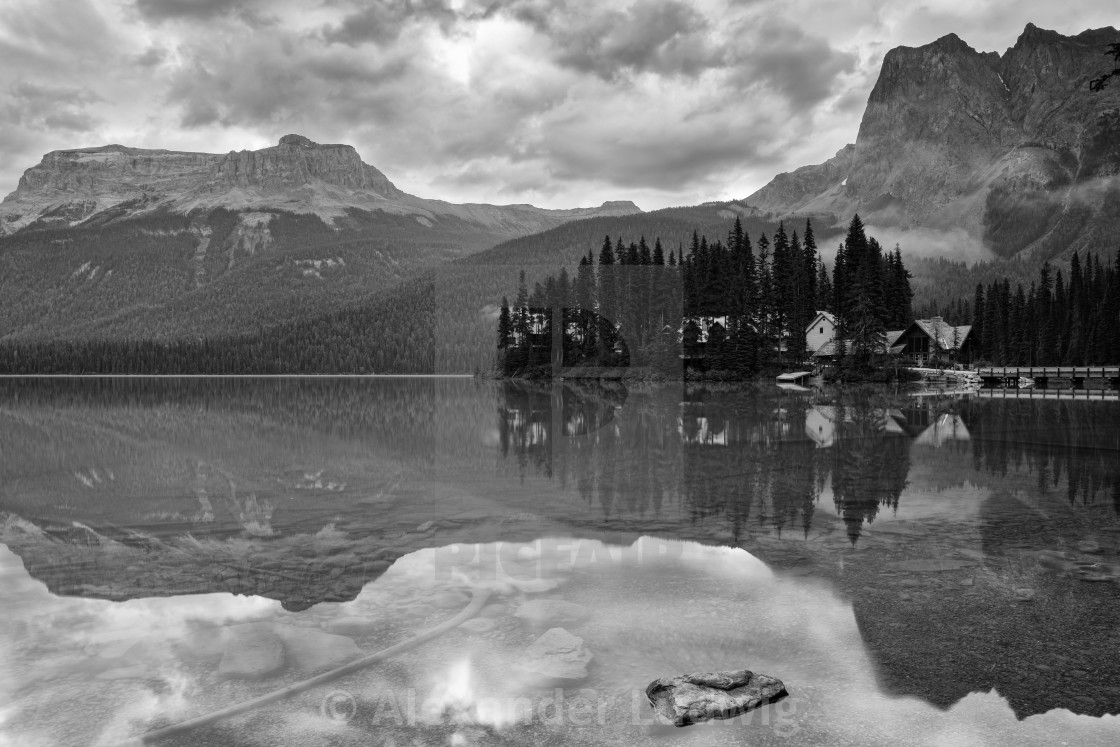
[736,306]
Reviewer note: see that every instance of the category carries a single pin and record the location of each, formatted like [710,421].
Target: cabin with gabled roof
[820,332]
[926,339]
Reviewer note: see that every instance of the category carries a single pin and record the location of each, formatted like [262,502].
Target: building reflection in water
[740,455]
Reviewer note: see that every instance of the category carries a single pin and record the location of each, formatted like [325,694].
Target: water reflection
[747,454]
[655,606]
[968,549]
[974,520]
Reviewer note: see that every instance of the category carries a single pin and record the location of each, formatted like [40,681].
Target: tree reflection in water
[735,454]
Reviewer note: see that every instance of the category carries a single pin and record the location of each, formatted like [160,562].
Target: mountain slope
[123,243]
[1012,148]
[442,320]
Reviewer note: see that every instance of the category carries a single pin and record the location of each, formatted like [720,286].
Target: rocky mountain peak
[115,182]
[297,140]
[297,161]
[996,145]
[1033,35]
[951,43]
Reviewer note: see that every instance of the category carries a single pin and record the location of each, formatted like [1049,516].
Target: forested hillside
[439,320]
[373,307]
[167,276]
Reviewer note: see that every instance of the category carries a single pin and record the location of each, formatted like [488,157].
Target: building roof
[821,315]
[893,335]
[704,324]
[943,333]
[828,349]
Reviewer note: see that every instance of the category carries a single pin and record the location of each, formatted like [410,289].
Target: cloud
[151,57]
[953,244]
[381,21]
[667,37]
[283,79]
[53,37]
[523,97]
[798,66]
[37,106]
[565,101]
[158,11]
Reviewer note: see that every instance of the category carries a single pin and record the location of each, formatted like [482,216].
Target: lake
[931,571]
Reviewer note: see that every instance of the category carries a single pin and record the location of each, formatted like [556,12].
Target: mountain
[115,242]
[111,183]
[441,320]
[1014,149]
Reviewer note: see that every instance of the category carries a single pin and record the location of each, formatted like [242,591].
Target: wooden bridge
[1052,377]
[1096,395]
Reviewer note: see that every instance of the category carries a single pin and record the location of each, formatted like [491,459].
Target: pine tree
[782,288]
[764,305]
[1044,313]
[860,281]
[824,290]
[977,332]
[505,326]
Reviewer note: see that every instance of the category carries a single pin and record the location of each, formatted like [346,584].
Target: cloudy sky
[555,102]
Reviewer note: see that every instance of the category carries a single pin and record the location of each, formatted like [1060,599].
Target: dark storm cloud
[650,94]
[381,21]
[53,35]
[661,36]
[669,162]
[637,167]
[852,101]
[280,78]
[37,106]
[150,57]
[800,67]
[157,11]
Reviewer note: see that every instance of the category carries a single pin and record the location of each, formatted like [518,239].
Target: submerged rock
[556,658]
[251,651]
[312,650]
[692,698]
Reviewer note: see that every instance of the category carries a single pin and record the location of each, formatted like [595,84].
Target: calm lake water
[931,571]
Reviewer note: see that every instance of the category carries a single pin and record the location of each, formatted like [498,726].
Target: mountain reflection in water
[885,557]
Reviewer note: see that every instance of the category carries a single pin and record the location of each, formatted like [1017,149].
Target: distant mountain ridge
[1014,149]
[69,187]
[114,242]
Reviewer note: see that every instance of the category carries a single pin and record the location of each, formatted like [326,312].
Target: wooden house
[820,332]
[925,339]
[694,334]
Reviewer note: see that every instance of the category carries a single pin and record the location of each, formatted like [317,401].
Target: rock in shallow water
[312,650]
[251,651]
[556,658]
[692,698]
